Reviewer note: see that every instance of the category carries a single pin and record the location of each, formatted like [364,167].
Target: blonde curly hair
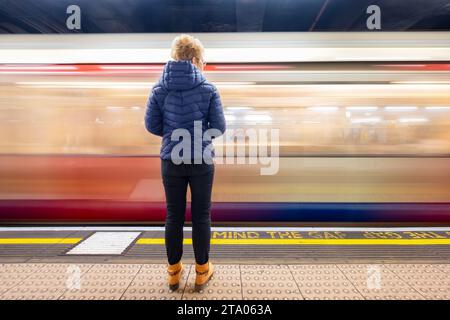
[186,47]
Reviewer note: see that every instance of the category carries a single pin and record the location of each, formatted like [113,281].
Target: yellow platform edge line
[40,240]
[340,242]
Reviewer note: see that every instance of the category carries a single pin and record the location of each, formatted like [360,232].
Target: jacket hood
[181,75]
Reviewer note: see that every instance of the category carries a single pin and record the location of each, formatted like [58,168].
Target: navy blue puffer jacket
[181,96]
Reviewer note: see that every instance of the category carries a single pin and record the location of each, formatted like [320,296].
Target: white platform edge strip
[143,228]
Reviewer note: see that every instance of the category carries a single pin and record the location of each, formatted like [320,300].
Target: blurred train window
[52,111]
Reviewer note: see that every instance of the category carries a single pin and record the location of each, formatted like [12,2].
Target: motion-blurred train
[363,122]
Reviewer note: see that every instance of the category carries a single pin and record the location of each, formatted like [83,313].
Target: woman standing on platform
[181,103]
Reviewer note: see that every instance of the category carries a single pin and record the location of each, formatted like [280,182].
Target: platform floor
[233,281]
[251,263]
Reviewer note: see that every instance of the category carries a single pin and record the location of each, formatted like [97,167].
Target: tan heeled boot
[174,271]
[203,275]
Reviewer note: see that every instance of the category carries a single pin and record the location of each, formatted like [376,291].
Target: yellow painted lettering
[253,235]
[219,235]
[271,234]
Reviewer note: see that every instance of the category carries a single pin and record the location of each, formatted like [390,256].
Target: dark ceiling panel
[128,16]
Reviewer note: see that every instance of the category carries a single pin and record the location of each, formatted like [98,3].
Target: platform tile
[428,279]
[268,282]
[444,268]
[13,274]
[377,282]
[47,282]
[224,284]
[104,282]
[323,282]
[151,284]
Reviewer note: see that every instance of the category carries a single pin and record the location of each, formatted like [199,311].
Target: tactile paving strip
[429,280]
[377,282]
[444,268]
[12,275]
[151,284]
[268,282]
[324,282]
[47,281]
[133,281]
[104,282]
[225,284]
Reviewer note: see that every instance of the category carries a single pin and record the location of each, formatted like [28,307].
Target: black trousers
[176,179]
